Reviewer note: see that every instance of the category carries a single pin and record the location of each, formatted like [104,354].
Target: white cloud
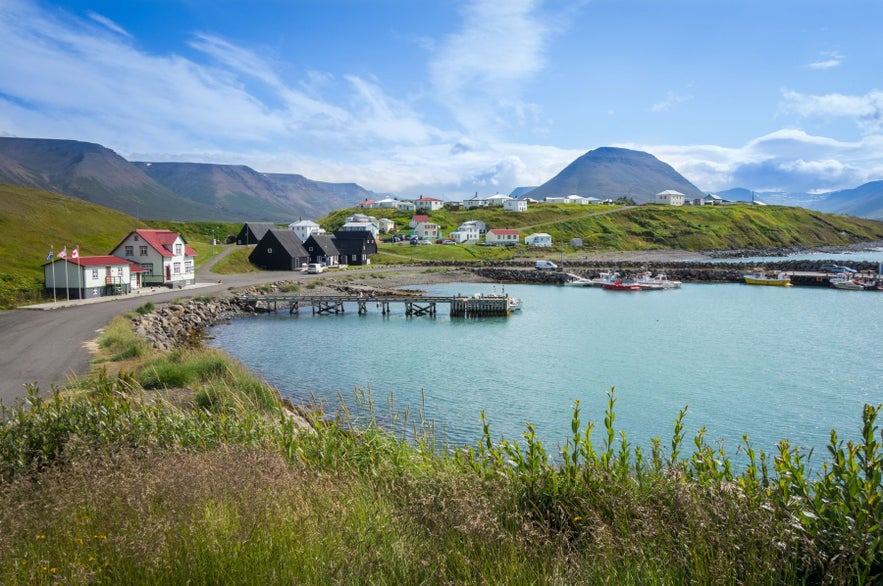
[828,60]
[867,110]
[671,99]
[108,23]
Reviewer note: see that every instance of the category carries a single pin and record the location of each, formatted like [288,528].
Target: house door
[168,273]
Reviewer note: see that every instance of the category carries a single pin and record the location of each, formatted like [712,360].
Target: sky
[449,98]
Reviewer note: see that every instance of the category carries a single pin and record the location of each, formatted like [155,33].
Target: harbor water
[771,363]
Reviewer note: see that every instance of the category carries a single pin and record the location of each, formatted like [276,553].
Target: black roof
[325,242]
[289,241]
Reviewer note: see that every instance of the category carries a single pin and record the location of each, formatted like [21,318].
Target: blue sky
[449,98]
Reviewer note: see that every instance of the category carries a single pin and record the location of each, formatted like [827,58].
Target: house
[427,230]
[279,250]
[502,237]
[466,232]
[498,199]
[164,255]
[538,239]
[355,248]
[321,249]
[428,203]
[366,204]
[475,202]
[386,225]
[669,197]
[252,232]
[304,228]
[386,202]
[416,219]
[91,276]
[360,227]
[712,200]
[515,205]
[477,224]
[405,206]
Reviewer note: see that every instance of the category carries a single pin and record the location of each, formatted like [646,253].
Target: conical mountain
[610,172]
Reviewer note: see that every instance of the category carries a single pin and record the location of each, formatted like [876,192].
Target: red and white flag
[75,253]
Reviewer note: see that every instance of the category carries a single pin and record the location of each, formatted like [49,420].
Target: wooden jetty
[415,306]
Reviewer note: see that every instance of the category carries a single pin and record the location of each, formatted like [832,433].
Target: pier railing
[416,305]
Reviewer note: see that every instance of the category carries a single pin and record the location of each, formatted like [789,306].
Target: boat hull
[774,282]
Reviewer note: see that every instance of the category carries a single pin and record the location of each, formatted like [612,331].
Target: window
[148,267]
[269,250]
[94,273]
[178,249]
[136,238]
[120,271]
[130,251]
[176,268]
[188,266]
[142,250]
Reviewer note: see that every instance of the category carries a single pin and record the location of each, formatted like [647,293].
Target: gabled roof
[161,240]
[289,241]
[669,192]
[420,218]
[427,199]
[100,261]
[308,223]
[325,243]
[258,229]
[501,231]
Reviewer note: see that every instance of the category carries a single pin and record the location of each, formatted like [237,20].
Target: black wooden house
[355,247]
[322,249]
[252,232]
[279,250]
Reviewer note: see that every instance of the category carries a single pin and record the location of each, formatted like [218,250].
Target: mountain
[610,172]
[865,201]
[95,174]
[168,191]
[243,193]
[521,191]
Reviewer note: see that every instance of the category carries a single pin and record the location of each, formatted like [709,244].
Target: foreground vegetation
[181,468]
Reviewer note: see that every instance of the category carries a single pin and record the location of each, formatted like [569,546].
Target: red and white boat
[620,285]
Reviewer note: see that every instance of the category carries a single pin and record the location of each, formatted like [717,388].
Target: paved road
[47,347]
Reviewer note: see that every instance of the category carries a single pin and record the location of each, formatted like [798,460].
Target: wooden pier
[415,306]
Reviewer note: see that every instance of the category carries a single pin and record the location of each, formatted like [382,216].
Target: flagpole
[54,285]
[79,291]
[67,287]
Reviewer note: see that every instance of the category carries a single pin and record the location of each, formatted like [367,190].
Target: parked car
[834,268]
[315,268]
[448,242]
[546,265]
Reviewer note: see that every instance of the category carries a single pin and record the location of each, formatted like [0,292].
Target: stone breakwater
[707,272]
[173,325]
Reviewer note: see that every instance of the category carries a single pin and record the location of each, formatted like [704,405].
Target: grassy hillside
[654,227]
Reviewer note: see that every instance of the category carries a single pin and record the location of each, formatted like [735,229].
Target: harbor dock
[414,305]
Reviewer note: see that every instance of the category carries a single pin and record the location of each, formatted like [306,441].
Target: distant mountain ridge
[168,191]
[610,172]
[864,201]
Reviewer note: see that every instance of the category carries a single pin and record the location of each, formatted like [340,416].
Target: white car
[315,268]
[546,265]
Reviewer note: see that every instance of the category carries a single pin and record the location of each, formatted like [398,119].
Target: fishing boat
[660,282]
[760,277]
[622,285]
[577,281]
[847,282]
[604,277]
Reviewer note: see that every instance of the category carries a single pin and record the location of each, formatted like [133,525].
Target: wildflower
[39,537]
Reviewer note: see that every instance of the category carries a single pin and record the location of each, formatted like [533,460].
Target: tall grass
[114,486]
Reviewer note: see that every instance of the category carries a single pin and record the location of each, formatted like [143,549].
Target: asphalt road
[47,347]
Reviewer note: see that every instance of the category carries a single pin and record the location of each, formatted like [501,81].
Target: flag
[63,253]
[75,253]
[51,254]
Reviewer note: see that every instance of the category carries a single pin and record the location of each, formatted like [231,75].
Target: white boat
[604,278]
[660,282]
[577,281]
[847,282]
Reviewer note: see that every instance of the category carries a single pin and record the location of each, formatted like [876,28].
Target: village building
[252,232]
[386,225]
[279,250]
[515,205]
[86,277]
[366,204]
[502,237]
[428,203]
[498,199]
[305,228]
[475,202]
[364,224]
[416,219]
[712,200]
[669,197]
[540,239]
[355,248]
[405,206]
[164,255]
[467,232]
[478,224]
[321,249]
[427,230]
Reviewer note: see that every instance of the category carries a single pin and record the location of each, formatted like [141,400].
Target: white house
[669,197]
[405,206]
[91,276]
[164,255]
[502,236]
[386,225]
[427,230]
[367,204]
[712,200]
[428,203]
[475,202]
[477,224]
[538,239]
[416,219]
[305,228]
[360,227]
[498,199]
[515,205]
[386,202]
[466,233]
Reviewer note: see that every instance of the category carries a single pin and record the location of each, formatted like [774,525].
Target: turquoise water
[773,363]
